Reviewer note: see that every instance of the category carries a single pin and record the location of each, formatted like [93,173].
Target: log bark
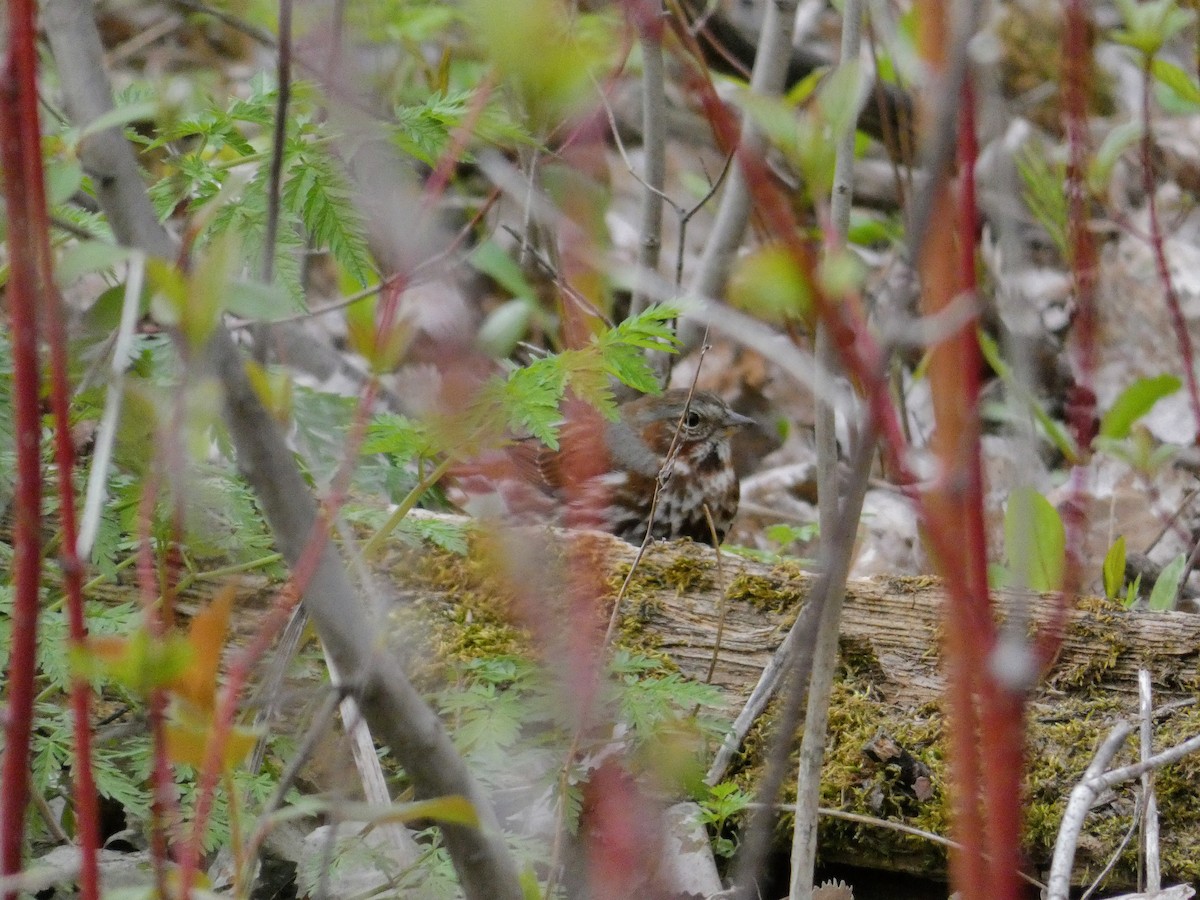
[889,688]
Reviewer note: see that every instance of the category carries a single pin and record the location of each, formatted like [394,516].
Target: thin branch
[1094,782]
[767,79]
[1058,885]
[1148,849]
[816,719]
[1161,267]
[283,88]
[654,151]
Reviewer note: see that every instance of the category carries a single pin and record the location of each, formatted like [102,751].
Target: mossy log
[889,690]
[888,693]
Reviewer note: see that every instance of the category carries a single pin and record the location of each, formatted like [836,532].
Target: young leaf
[206,637]
[1134,402]
[187,740]
[1166,588]
[769,284]
[1054,431]
[1114,568]
[1035,540]
[1132,592]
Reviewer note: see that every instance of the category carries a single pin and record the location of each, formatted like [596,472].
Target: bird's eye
[692,420]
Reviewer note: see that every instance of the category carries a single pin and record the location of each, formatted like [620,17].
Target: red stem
[163,800]
[1003,709]
[87,816]
[1077,76]
[1160,257]
[18,142]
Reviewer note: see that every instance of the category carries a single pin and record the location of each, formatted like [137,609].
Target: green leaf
[770,284]
[1035,540]
[1166,588]
[1132,591]
[1177,81]
[318,193]
[84,257]
[1054,430]
[255,300]
[841,96]
[396,435]
[1114,568]
[1134,402]
[1150,25]
[1115,142]
[1044,192]
[120,116]
[492,260]
[505,326]
[549,55]
[620,352]
[63,179]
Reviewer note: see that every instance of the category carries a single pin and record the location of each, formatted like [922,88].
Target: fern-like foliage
[534,393]
[224,161]
[423,130]
[317,194]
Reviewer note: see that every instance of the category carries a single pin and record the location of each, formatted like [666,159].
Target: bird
[605,473]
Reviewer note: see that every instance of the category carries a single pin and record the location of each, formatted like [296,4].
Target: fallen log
[886,756]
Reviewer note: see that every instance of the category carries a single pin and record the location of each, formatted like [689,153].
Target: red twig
[1081,408]
[163,802]
[86,805]
[20,151]
[1160,257]
[1003,708]
[957,501]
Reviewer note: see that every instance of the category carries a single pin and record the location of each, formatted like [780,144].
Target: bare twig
[1058,886]
[654,151]
[1148,851]
[816,719]
[770,71]
[97,484]
[1094,782]
[283,88]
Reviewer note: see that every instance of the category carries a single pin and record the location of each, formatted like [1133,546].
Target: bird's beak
[734,420]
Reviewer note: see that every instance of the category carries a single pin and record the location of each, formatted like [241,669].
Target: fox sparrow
[605,473]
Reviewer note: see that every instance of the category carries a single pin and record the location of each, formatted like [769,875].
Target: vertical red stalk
[86,808]
[1081,407]
[1077,75]
[1178,323]
[163,806]
[944,513]
[983,714]
[1003,713]
[17,97]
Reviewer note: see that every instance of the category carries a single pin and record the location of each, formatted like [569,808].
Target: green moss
[1102,632]
[770,594]
[910,584]
[858,658]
